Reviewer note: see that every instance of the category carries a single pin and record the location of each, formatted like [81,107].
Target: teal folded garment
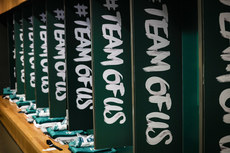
[23,103]
[30,111]
[91,149]
[83,141]
[47,119]
[7,91]
[13,97]
[64,133]
[31,107]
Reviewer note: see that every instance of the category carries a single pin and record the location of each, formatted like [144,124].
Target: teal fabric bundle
[31,109]
[91,149]
[47,119]
[14,96]
[7,91]
[60,126]
[63,133]
[24,103]
[43,112]
[83,141]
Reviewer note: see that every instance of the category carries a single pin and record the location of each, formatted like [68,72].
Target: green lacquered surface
[27,27]
[40,54]
[56,58]
[11,49]
[20,75]
[214,43]
[157,122]
[112,109]
[78,60]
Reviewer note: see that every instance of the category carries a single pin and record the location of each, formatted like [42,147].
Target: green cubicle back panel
[18,35]
[56,57]
[111,73]
[27,26]
[11,49]
[157,57]
[40,54]
[78,60]
[216,21]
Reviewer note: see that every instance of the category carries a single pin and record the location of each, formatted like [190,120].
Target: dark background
[4,58]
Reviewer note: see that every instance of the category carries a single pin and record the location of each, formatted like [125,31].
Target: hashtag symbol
[81,10]
[111,4]
[59,14]
[43,17]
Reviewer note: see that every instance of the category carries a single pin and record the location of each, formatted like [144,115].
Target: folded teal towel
[23,103]
[30,111]
[7,91]
[64,133]
[91,149]
[47,119]
[83,141]
[13,97]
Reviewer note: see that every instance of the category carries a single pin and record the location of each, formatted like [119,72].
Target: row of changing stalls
[142,74]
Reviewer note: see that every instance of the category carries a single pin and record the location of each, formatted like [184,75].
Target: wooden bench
[29,138]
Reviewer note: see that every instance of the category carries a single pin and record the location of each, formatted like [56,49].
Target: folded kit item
[65,140]
[47,119]
[44,125]
[7,91]
[60,126]
[30,111]
[30,115]
[14,96]
[43,112]
[23,108]
[64,133]
[31,108]
[91,149]
[6,97]
[30,119]
[23,103]
[83,141]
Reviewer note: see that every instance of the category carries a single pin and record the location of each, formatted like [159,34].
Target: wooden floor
[27,136]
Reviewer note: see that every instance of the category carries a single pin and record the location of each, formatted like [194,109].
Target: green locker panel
[27,26]
[56,57]
[157,58]
[11,49]
[78,60]
[40,54]
[111,59]
[18,35]
[215,33]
